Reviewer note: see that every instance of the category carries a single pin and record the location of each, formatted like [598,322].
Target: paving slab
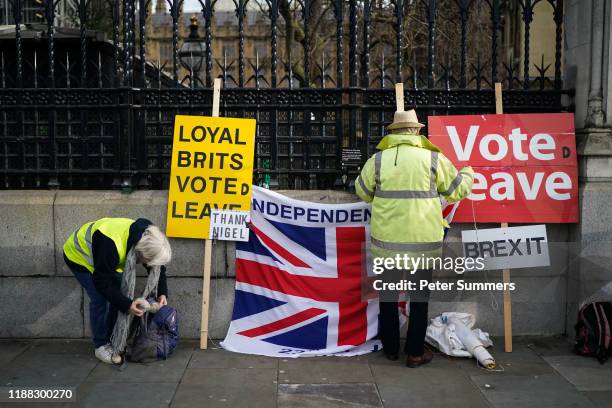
[62,346]
[125,395]
[529,368]
[521,361]
[328,396]
[236,387]
[600,399]
[584,372]
[426,386]
[218,378]
[440,360]
[11,349]
[325,370]
[38,404]
[34,369]
[550,346]
[520,348]
[548,390]
[379,358]
[362,359]
[170,370]
[220,358]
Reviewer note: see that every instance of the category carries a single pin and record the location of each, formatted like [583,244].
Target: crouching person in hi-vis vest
[404,182]
[96,254]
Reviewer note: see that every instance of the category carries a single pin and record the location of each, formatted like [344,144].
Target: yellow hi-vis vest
[404,182]
[77,247]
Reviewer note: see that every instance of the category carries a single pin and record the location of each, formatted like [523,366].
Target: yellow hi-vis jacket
[77,247]
[404,181]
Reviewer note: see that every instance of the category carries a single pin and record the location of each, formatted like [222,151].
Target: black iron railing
[81,112]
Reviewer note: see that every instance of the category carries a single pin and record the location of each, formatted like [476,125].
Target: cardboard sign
[505,248]
[525,164]
[212,168]
[228,225]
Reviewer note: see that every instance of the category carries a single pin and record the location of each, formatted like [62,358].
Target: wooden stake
[399,97]
[208,246]
[216,96]
[205,293]
[499,102]
[499,109]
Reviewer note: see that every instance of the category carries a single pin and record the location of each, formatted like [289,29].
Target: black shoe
[392,356]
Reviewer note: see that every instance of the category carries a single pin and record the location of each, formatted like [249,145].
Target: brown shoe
[414,362]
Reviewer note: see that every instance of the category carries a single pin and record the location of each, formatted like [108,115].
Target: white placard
[227,225]
[508,248]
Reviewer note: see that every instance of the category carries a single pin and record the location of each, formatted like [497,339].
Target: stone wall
[588,70]
[42,299]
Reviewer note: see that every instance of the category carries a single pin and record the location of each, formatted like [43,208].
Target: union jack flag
[299,280]
[448,212]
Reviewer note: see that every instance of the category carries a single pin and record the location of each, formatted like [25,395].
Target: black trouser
[417,322]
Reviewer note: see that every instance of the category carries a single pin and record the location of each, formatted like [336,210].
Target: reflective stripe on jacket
[404,181]
[78,245]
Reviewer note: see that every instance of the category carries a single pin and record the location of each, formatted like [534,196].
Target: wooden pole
[399,97]
[216,96]
[499,102]
[499,109]
[208,245]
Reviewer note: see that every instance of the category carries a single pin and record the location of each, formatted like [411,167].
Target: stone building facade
[588,70]
[225,39]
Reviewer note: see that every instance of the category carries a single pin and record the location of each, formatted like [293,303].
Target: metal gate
[82,112]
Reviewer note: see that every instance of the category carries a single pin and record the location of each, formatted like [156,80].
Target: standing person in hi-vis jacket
[404,182]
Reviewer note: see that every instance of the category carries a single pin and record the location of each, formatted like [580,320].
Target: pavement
[540,372]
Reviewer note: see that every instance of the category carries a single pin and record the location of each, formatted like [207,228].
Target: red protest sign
[525,164]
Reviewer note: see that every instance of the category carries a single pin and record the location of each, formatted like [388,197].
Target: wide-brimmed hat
[405,119]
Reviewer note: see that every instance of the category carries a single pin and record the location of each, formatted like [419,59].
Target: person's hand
[162,300]
[135,310]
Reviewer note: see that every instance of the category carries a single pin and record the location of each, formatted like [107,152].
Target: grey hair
[153,248]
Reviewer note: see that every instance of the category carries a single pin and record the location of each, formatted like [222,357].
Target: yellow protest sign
[212,168]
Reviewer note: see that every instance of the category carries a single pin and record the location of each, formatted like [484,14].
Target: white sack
[452,334]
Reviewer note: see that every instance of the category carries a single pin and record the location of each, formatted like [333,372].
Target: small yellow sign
[212,168]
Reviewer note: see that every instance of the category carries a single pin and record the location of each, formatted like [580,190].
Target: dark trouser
[102,315]
[417,322]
